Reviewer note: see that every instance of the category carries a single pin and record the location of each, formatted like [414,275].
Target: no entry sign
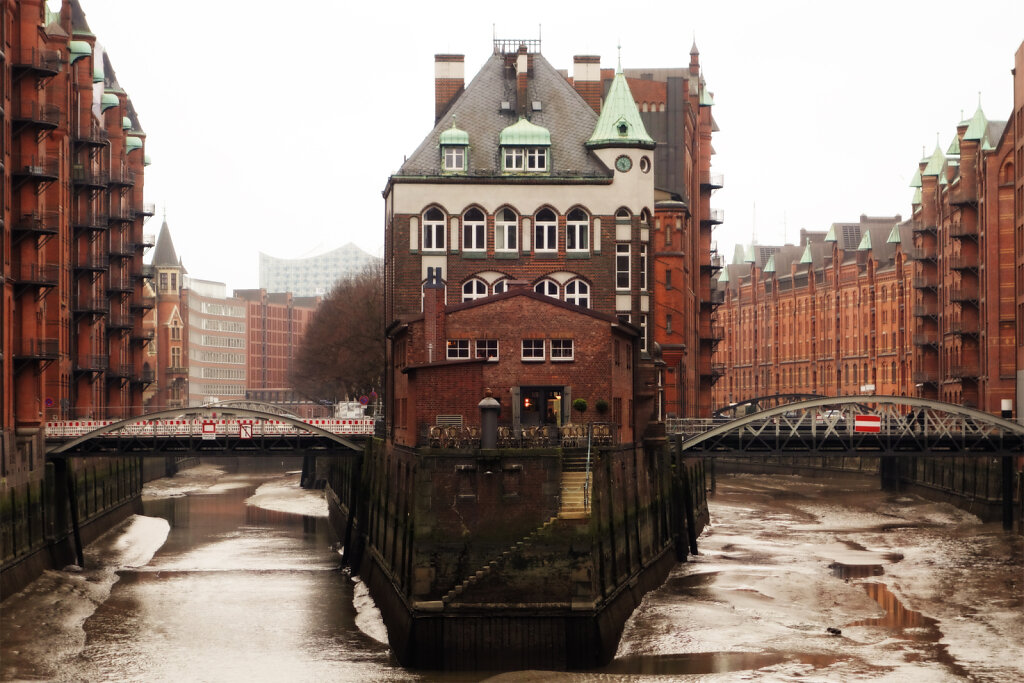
[867,423]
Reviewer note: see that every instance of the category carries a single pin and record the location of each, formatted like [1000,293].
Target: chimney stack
[586,78]
[522,73]
[449,81]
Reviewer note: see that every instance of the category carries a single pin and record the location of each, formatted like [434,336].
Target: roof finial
[619,70]
[979,99]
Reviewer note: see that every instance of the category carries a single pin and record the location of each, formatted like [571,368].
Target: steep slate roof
[163,253]
[79,25]
[563,112]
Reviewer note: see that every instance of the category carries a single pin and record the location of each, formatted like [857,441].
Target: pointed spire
[618,70]
[693,50]
[807,258]
[769,267]
[894,235]
[164,253]
[935,162]
[619,124]
[831,236]
[978,126]
[750,256]
[865,242]
[723,277]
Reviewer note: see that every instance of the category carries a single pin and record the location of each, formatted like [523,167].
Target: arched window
[500,287]
[474,235]
[547,288]
[474,289]
[577,231]
[546,231]
[577,292]
[433,230]
[506,229]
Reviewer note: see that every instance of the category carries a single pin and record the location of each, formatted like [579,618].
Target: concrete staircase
[576,482]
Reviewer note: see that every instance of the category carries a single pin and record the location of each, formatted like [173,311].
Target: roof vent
[506,105]
[536,105]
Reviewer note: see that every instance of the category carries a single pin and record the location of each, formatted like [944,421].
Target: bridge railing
[71,429]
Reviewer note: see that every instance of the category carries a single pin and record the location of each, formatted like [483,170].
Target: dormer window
[454,143]
[525,147]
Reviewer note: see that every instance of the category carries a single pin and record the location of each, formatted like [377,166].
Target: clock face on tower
[623,163]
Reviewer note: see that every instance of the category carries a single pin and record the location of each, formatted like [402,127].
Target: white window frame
[457,349]
[642,275]
[530,349]
[561,350]
[548,287]
[478,286]
[500,286]
[514,158]
[577,232]
[454,158]
[435,230]
[545,232]
[506,231]
[622,251]
[537,159]
[532,159]
[577,292]
[474,231]
[487,345]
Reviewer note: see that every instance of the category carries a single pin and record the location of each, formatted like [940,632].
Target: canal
[231,574]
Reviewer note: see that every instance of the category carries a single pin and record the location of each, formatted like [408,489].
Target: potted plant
[601,406]
[580,406]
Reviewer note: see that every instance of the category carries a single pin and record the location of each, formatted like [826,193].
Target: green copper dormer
[454,144]
[525,147]
[831,235]
[126,123]
[146,161]
[954,147]
[78,49]
[894,235]
[769,267]
[936,162]
[978,126]
[865,242]
[806,258]
[109,100]
[132,143]
[619,124]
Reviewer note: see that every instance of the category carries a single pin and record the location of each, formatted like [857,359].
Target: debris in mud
[834,631]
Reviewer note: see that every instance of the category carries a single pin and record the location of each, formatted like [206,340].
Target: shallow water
[233,575]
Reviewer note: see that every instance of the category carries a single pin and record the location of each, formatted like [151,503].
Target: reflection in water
[855,571]
[897,617]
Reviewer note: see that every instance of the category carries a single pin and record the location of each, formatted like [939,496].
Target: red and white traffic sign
[209,431]
[245,430]
[867,423]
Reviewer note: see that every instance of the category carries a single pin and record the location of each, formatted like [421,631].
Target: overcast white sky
[274,126]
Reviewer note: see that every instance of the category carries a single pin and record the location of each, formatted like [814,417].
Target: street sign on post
[867,423]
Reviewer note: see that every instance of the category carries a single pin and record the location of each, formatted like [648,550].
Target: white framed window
[536,158]
[454,158]
[577,231]
[548,288]
[457,348]
[577,292]
[474,231]
[506,229]
[487,348]
[533,349]
[561,349]
[643,331]
[533,159]
[433,230]
[546,231]
[500,287]
[515,158]
[642,275]
[622,259]
[474,289]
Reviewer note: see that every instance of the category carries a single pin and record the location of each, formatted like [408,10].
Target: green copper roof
[954,147]
[831,236]
[978,126]
[807,258]
[78,49]
[986,145]
[723,277]
[935,163]
[706,98]
[109,100]
[916,180]
[619,124]
[865,242]
[97,70]
[894,235]
[457,136]
[750,256]
[132,143]
[769,267]
[917,196]
[126,123]
[522,132]
[146,161]
[942,179]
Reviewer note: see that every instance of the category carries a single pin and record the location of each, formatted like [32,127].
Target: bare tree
[342,353]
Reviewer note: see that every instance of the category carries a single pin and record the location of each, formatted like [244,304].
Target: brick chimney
[433,316]
[586,78]
[449,81]
[522,73]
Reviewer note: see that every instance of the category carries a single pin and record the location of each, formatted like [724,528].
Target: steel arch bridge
[762,403]
[206,430]
[895,425]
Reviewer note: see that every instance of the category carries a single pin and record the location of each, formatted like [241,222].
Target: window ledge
[577,254]
[506,254]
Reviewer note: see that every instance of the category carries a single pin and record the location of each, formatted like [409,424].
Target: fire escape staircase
[575,504]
